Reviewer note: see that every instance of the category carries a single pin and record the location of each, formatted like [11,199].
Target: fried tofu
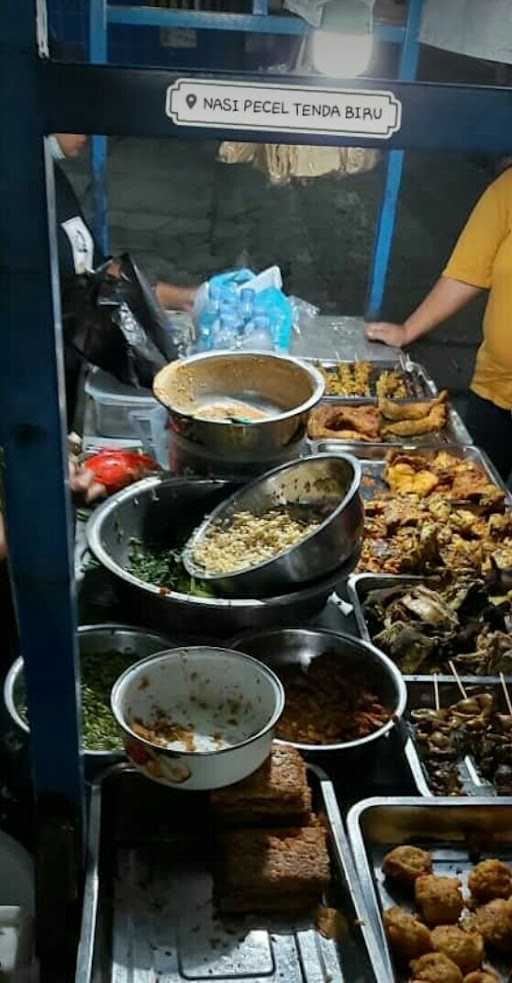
[279,870]
[278,793]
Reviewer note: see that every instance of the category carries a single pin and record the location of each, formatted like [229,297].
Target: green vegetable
[99,671]
[164,568]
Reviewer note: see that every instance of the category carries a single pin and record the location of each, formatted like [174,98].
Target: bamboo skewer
[437,701]
[457,680]
[506,693]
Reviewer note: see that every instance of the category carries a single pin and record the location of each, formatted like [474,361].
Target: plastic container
[16,944]
[113,403]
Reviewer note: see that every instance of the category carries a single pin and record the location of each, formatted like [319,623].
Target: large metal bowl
[330,480]
[285,387]
[299,646]
[163,511]
[92,639]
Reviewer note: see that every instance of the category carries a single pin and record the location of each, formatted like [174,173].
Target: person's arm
[446,298]
[469,270]
[175,298]
[3,540]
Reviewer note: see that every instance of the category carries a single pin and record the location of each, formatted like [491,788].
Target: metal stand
[39,97]
[102,15]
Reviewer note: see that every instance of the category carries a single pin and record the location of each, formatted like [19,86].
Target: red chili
[115,469]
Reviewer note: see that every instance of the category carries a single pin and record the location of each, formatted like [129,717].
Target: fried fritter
[406,863]
[494,922]
[482,976]
[465,949]
[435,967]
[490,879]
[406,480]
[439,899]
[407,936]
[434,420]
[330,421]
[410,411]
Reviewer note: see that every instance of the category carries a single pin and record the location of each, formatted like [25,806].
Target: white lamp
[343,46]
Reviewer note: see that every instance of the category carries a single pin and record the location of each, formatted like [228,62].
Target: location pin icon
[191,100]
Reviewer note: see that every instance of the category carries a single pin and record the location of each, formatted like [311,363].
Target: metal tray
[420,691]
[457,832]
[454,432]
[418,382]
[148,912]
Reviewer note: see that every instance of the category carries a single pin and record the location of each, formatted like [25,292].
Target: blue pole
[394,169]
[98,53]
[32,422]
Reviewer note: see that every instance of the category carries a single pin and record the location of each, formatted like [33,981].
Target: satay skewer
[437,701]
[506,693]
[457,679]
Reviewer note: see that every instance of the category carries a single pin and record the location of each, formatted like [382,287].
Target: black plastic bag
[117,323]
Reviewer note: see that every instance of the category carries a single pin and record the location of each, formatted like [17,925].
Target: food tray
[418,382]
[148,914]
[454,432]
[420,692]
[458,832]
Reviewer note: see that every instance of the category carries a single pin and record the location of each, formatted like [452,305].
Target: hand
[390,334]
[82,482]
[175,298]
[185,297]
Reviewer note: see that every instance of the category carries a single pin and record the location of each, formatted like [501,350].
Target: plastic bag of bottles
[244,311]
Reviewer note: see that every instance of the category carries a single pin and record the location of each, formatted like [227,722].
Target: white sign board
[283,108]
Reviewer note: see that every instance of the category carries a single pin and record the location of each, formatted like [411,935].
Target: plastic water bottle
[209,315]
[247,303]
[258,334]
[225,333]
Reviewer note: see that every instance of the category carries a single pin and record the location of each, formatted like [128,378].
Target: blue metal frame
[102,15]
[38,97]
[32,420]
[394,168]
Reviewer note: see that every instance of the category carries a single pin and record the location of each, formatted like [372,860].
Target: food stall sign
[283,108]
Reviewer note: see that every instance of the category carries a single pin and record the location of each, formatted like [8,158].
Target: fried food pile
[440,943]
[440,512]
[472,726]
[386,421]
[362,379]
[328,704]
[464,618]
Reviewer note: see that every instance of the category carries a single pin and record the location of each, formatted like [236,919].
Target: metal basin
[284,388]
[322,480]
[163,512]
[298,646]
[92,639]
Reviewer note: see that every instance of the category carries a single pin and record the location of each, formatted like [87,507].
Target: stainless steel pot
[92,639]
[325,480]
[227,703]
[164,511]
[285,387]
[298,646]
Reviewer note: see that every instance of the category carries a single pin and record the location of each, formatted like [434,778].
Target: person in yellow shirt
[481,260]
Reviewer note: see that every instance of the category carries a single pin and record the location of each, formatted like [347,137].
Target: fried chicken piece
[406,480]
[330,421]
[482,976]
[490,879]
[407,936]
[494,922]
[406,863]
[464,948]
[439,899]
[410,411]
[435,967]
[431,423]
[472,483]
